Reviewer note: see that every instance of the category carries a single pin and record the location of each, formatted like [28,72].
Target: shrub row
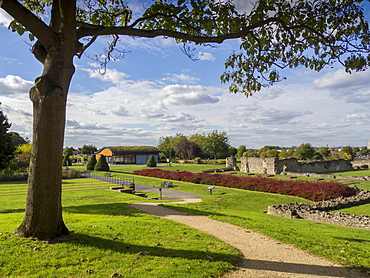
[314,191]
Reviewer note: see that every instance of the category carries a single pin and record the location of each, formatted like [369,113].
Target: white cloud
[206,56]
[5,18]
[340,80]
[119,111]
[111,75]
[12,84]
[192,98]
[172,77]
[170,90]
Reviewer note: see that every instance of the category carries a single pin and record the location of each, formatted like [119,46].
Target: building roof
[133,149]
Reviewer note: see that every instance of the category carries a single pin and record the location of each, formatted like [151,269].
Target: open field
[109,237]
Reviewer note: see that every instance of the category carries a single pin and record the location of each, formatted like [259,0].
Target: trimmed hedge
[314,191]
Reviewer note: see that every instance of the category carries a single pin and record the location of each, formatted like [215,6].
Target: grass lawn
[108,237]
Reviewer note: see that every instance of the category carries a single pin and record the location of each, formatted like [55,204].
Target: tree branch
[35,25]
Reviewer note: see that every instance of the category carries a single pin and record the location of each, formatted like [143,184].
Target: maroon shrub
[314,191]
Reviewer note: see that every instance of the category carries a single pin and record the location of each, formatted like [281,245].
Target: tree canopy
[273,35]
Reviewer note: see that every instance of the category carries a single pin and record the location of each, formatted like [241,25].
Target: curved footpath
[262,256]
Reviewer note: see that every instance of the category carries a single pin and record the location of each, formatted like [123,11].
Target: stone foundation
[319,211]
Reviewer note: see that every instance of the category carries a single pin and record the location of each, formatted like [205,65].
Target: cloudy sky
[155,90]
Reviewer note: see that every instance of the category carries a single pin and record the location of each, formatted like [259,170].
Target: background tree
[304,152]
[325,152]
[188,149]
[168,144]
[7,145]
[102,164]
[214,144]
[91,163]
[88,149]
[363,151]
[347,153]
[20,162]
[269,151]
[233,151]
[151,162]
[286,153]
[274,35]
[241,149]
[67,151]
[66,161]
[17,139]
[250,153]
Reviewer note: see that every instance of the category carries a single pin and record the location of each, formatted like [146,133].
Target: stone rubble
[320,211]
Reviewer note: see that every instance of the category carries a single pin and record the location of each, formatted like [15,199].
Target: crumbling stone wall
[271,165]
[231,163]
[266,165]
[319,211]
[361,163]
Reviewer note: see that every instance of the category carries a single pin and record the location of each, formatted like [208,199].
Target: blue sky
[156,90]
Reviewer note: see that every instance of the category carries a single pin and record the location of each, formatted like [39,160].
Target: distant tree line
[212,145]
[304,151]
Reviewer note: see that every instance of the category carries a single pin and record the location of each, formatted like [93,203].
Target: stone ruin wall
[319,211]
[266,165]
[361,163]
[272,165]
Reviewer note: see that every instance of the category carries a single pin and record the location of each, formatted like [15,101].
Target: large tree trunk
[55,50]
[43,217]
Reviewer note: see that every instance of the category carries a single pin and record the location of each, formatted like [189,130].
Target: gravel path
[263,256]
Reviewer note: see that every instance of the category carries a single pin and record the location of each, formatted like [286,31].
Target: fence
[92,181]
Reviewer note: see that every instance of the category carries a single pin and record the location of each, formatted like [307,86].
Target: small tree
[7,147]
[151,162]
[88,149]
[347,153]
[66,160]
[91,163]
[304,151]
[241,149]
[102,164]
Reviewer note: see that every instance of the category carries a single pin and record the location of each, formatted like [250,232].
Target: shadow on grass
[118,245]
[103,209]
[182,210]
[297,268]
[354,239]
[12,210]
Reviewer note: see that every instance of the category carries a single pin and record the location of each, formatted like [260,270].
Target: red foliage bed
[314,191]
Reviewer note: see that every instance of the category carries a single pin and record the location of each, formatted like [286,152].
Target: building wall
[143,158]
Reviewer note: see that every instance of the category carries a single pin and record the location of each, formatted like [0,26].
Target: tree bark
[43,216]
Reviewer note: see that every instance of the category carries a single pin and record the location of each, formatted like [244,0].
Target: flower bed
[314,191]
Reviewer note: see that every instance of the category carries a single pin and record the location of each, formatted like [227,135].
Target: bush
[197,160]
[151,162]
[91,163]
[71,174]
[102,164]
[66,160]
[314,191]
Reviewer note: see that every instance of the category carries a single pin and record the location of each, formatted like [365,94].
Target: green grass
[347,246]
[108,237]
[360,172]
[129,168]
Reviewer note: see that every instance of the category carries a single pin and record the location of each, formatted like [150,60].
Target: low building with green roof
[129,154]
